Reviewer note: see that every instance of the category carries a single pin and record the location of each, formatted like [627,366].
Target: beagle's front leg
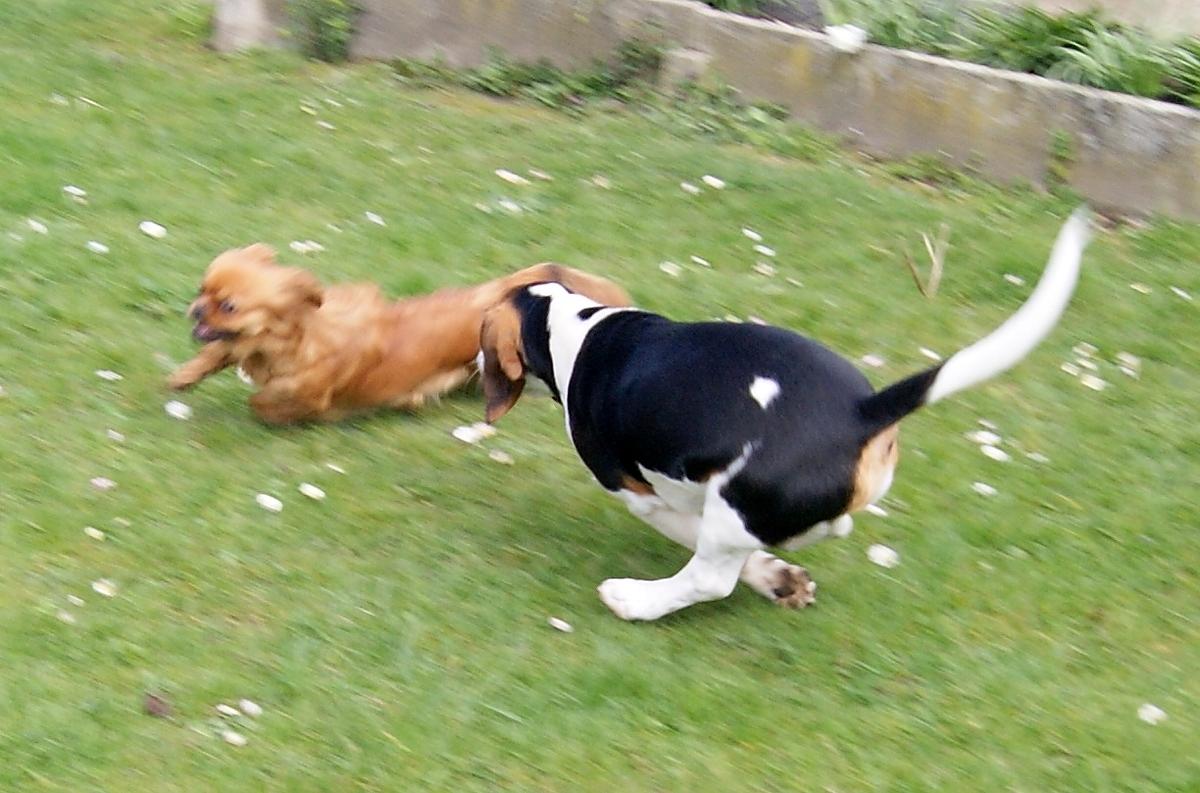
[785,584]
[723,546]
[212,358]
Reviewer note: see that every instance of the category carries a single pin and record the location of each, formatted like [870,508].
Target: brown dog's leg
[280,403]
[212,358]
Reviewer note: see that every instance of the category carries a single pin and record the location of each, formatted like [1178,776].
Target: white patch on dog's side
[764,390]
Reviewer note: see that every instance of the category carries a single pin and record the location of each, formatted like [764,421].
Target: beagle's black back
[648,393]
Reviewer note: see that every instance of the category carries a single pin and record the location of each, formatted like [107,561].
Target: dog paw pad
[792,587]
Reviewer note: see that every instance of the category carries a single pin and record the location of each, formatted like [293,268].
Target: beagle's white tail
[1016,338]
[1003,347]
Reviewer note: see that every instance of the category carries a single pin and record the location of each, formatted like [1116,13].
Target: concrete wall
[1129,154]
[570,32]
[238,24]
[1132,154]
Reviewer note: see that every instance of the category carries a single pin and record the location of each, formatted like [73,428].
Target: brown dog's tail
[1003,347]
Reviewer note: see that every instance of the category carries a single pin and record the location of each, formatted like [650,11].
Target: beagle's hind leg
[784,584]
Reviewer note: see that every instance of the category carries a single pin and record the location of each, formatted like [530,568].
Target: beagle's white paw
[631,599]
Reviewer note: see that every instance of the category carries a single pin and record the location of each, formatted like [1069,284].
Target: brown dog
[319,354]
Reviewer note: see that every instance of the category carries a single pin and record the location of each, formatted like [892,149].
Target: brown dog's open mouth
[205,332]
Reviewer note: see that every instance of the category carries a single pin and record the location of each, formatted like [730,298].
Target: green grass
[396,633]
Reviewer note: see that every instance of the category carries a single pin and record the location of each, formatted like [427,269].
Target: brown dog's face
[244,294]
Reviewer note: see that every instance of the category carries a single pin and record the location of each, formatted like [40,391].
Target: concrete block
[244,24]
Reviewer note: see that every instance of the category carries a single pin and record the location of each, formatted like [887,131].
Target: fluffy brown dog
[320,353]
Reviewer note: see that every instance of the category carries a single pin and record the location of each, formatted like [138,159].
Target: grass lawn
[396,633]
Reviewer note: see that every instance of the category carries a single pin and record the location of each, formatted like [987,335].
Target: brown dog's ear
[304,287]
[259,253]
[503,372]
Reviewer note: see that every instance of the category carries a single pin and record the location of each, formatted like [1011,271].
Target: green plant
[691,110]
[1116,59]
[933,27]
[192,19]
[1061,156]
[1183,72]
[634,63]
[324,28]
[928,169]
[1024,39]
[1074,47]
[717,113]
[736,6]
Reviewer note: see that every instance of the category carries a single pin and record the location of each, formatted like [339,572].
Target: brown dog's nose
[197,313]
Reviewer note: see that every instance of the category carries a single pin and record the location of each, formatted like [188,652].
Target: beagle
[732,438]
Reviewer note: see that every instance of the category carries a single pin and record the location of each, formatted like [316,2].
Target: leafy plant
[324,27]
[933,27]
[1115,59]
[928,169]
[192,19]
[1061,157]
[1183,72]
[1023,40]
[736,6]
[629,76]
[1074,47]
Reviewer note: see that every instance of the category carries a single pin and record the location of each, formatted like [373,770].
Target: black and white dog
[731,438]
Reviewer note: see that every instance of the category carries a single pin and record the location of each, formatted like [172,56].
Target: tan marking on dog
[876,464]
[636,486]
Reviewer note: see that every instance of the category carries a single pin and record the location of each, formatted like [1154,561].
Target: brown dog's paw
[180,380]
[792,587]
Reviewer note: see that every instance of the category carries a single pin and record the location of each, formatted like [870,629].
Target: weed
[1074,47]
[1183,72]
[1023,40]
[691,110]
[1115,59]
[749,7]
[324,27]
[1061,156]
[932,27]
[191,19]
[695,110]
[634,63]
[927,169]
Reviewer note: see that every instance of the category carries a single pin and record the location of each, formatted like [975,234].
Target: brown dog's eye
[226,306]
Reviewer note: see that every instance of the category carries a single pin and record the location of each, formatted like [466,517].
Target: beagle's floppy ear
[503,371]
